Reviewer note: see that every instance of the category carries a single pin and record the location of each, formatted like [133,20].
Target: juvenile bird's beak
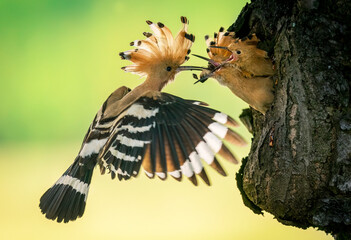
[212,67]
[212,64]
[203,77]
[210,61]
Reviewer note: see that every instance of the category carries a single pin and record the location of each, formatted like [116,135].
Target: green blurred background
[58,63]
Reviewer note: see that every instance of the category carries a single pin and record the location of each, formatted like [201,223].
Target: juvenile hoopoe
[242,67]
[144,127]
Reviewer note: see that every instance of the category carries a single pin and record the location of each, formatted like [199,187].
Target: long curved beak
[190,68]
[213,63]
[213,66]
[203,78]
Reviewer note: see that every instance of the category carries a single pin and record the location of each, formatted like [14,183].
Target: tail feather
[66,199]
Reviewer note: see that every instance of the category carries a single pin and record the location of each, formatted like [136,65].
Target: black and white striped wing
[169,135]
[66,199]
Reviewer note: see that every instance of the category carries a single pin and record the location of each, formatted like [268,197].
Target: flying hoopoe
[145,127]
[238,64]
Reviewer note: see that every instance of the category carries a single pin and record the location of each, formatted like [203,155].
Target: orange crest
[159,47]
[225,47]
[220,39]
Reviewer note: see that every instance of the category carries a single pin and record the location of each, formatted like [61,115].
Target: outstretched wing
[168,135]
[66,199]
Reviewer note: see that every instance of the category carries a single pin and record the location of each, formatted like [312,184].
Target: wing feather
[168,135]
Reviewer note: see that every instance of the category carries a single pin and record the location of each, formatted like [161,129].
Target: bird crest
[220,39]
[159,48]
[225,47]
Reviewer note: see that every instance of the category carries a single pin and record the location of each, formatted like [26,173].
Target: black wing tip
[204,177]
[193,180]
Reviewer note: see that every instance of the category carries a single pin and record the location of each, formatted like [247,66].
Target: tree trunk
[299,166]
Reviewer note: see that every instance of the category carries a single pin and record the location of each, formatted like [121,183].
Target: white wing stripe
[150,175]
[195,162]
[205,152]
[91,147]
[131,142]
[132,129]
[122,156]
[186,168]
[161,175]
[218,129]
[137,110]
[119,171]
[175,173]
[220,117]
[213,141]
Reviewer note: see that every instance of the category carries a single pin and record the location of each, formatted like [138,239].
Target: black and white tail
[66,199]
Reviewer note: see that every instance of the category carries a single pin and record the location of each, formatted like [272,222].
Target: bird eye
[168,69]
[238,52]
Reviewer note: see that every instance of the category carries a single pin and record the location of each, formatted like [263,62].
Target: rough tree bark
[304,176]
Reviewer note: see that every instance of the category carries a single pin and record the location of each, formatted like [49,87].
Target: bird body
[239,65]
[256,91]
[163,133]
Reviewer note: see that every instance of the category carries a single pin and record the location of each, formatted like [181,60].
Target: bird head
[160,55]
[227,51]
[244,51]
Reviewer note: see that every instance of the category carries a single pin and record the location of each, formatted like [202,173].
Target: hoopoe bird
[242,67]
[163,133]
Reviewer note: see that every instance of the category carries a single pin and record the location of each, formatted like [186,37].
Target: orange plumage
[242,67]
[159,49]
